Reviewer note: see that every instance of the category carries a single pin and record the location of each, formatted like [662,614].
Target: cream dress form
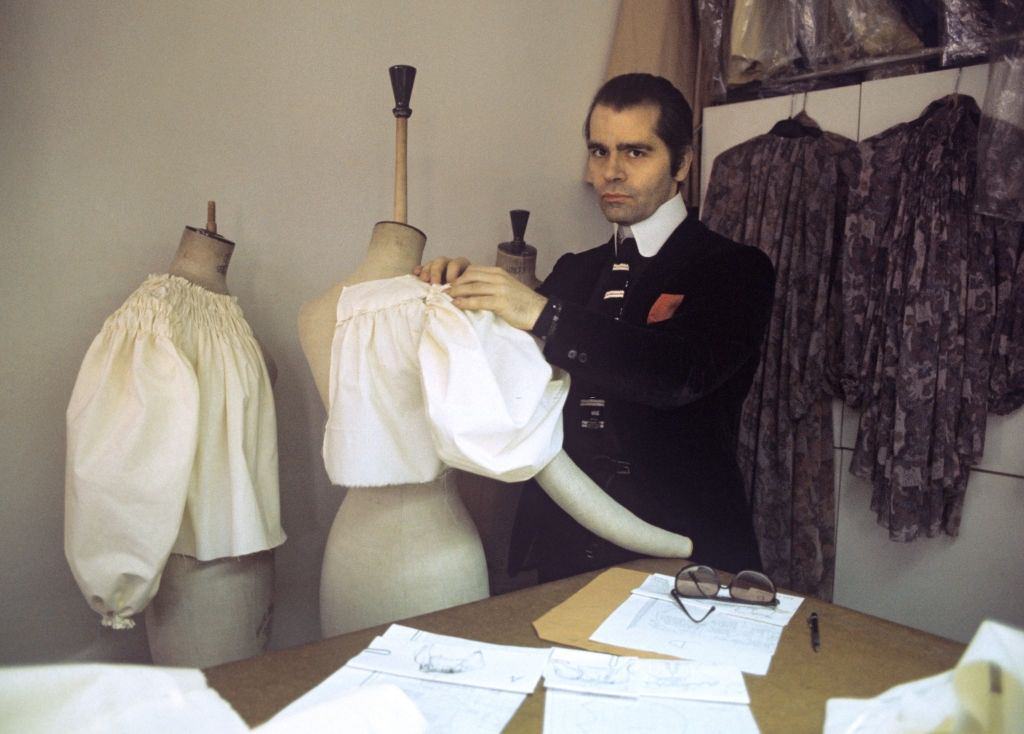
[210,612]
[377,567]
[399,550]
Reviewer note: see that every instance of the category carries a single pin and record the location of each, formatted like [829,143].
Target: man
[661,344]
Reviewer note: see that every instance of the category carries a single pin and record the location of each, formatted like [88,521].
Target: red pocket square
[664,307]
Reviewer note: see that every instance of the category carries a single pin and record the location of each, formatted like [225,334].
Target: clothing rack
[919,55]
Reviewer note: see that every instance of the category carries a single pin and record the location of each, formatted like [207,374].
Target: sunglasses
[703,582]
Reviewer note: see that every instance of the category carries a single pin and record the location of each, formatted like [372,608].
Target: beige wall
[118,120]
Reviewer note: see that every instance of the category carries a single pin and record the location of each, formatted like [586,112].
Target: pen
[812,622]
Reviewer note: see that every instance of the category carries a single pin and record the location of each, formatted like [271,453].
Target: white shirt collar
[653,232]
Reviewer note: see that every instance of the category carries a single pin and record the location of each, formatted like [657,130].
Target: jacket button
[583,358]
[571,354]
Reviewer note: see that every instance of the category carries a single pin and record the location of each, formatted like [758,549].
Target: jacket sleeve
[718,326]
[131,440]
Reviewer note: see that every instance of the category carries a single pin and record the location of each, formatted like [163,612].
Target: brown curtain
[661,37]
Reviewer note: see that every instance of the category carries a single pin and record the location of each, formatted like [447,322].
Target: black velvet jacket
[674,372]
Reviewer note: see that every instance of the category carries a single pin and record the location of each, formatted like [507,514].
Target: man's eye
[636,153]
[598,152]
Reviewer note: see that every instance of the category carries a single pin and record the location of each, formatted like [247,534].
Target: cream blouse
[417,384]
[171,445]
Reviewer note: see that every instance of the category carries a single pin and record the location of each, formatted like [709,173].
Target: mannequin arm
[591,507]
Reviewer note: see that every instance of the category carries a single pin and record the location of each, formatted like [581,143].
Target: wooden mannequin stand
[517,258]
[210,612]
[400,550]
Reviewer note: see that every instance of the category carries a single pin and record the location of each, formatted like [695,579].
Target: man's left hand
[492,289]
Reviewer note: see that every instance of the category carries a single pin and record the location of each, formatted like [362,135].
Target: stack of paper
[596,692]
[738,634]
[458,685]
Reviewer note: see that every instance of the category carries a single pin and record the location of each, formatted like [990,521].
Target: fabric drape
[171,445]
[929,317]
[417,384]
[786,196]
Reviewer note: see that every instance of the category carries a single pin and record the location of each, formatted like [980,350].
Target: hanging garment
[785,193]
[417,384]
[171,445]
[1006,381]
[922,297]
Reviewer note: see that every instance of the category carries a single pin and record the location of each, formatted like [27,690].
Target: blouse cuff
[116,621]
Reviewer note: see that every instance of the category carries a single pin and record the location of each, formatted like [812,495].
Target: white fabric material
[653,232]
[97,698]
[417,383]
[171,445]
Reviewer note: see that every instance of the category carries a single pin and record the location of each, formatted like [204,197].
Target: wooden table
[860,656]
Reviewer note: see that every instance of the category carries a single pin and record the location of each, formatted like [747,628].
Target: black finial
[519,219]
[402,78]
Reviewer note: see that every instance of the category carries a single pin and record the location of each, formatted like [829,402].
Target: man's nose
[613,170]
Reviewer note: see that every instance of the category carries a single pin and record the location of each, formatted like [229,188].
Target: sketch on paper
[643,623]
[428,656]
[612,671]
[611,675]
[437,658]
[448,708]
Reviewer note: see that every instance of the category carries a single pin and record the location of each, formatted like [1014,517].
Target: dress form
[399,550]
[493,505]
[210,612]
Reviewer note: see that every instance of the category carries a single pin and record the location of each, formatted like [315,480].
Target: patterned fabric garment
[929,320]
[785,193]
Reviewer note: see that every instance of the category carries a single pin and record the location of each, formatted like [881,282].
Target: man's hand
[441,270]
[492,289]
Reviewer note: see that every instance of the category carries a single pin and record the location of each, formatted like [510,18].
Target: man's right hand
[441,270]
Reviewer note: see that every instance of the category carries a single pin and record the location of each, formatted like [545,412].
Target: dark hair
[675,118]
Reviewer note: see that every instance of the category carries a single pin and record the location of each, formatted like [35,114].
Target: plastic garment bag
[1000,186]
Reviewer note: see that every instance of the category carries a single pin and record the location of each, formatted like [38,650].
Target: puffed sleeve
[131,440]
[494,404]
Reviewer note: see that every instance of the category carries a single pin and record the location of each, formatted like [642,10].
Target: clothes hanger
[796,127]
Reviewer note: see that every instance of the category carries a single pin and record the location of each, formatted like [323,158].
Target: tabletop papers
[650,619]
[459,686]
[566,712]
[614,675]
[597,692]
[414,653]
[659,586]
[447,708]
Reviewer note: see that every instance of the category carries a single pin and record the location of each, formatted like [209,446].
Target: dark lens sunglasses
[703,582]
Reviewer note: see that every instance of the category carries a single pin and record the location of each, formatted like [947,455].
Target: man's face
[629,165]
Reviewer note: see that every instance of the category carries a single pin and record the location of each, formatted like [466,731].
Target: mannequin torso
[400,550]
[210,612]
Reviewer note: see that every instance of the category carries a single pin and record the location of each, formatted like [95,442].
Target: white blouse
[171,445]
[417,384]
